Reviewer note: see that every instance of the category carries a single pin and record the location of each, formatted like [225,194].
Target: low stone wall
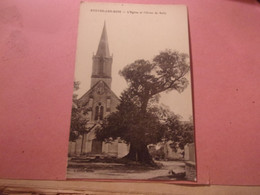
[72,148]
[190,168]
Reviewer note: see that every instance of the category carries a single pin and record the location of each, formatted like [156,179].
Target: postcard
[132,114]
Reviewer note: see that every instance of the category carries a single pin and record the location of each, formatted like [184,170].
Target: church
[100,101]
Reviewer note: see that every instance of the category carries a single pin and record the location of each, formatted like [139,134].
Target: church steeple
[103,49]
[102,61]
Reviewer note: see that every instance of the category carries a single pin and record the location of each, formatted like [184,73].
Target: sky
[134,32]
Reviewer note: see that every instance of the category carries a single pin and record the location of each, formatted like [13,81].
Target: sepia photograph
[132,113]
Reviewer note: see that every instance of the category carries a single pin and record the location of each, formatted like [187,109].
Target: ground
[168,170]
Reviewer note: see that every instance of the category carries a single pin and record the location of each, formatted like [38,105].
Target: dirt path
[119,171]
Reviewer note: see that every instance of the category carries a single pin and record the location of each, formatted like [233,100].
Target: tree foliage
[179,132]
[78,119]
[165,73]
[129,124]
[137,121]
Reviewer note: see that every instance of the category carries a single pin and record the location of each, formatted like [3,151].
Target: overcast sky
[134,32]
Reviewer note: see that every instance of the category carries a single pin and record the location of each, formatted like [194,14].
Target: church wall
[99,101]
[108,81]
[104,147]
[84,142]
[72,148]
[114,103]
[88,141]
[94,66]
[100,94]
[107,100]
[108,67]
[101,70]
[78,145]
[113,148]
[123,149]
[88,146]
[189,152]
[192,152]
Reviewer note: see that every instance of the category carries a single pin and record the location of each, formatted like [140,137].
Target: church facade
[100,101]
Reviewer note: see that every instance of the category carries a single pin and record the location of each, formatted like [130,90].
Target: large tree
[132,126]
[134,121]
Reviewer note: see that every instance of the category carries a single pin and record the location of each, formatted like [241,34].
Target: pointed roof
[103,49]
[85,96]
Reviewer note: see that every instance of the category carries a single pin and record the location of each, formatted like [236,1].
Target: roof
[92,89]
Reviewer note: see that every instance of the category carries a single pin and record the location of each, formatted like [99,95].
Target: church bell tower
[99,101]
[102,62]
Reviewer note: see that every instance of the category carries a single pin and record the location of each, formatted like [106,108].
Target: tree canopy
[129,124]
[179,132]
[78,119]
[137,121]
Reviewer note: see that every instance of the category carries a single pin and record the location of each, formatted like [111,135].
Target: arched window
[96,113]
[101,113]
[108,104]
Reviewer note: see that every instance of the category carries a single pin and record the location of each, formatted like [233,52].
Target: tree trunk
[139,153]
[138,150]
[144,105]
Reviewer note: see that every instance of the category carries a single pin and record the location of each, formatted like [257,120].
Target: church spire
[102,61]
[103,49]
